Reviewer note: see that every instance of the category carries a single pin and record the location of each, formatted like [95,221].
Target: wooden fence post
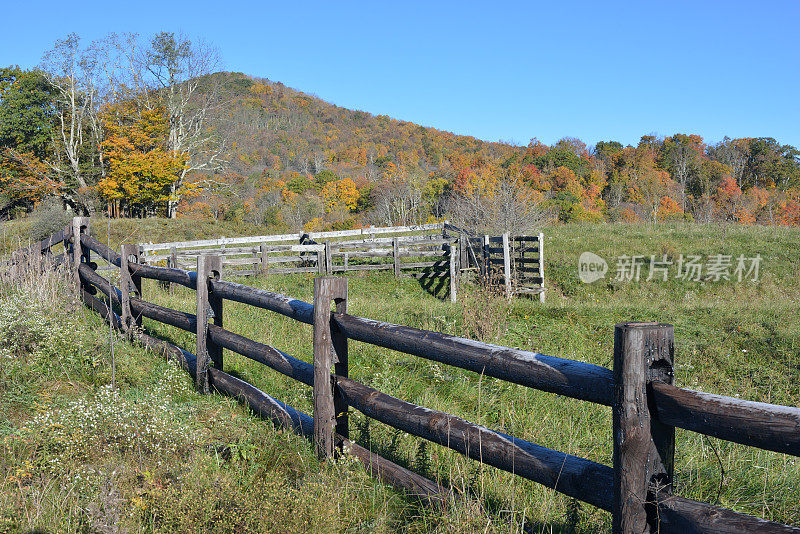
[38,259]
[79,226]
[264,259]
[396,256]
[507,265]
[321,262]
[173,260]
[330,347]
[485,259]
[129,283]
[644,448]
[463,255]
[541,266]
[453,273]
[209,306]
[328,258]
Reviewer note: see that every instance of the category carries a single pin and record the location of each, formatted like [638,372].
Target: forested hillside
[139,128]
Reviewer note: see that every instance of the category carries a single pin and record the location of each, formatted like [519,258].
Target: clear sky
[498,71]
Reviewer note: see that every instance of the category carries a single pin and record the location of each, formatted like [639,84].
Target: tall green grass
[148,454]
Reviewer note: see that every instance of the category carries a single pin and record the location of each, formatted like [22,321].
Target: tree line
[139,127]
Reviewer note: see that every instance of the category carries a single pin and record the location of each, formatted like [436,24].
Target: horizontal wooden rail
[570,378]
[51,241]
[566,377]
[583,479]
[240,251]
[108,254]
[679,515]
[766,426]
[267,300]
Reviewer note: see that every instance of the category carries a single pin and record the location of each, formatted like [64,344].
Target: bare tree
[70,71]
[680,157]
[301,210]
[508,206]
[177,69]
[399,202]
[733,153]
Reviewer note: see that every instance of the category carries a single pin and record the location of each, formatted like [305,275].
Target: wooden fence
[646,407]
[230,247]
[516,263]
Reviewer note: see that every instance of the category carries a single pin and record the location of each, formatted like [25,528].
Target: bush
[49,218]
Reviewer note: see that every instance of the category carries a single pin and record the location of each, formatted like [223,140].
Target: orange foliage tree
[139,167]
[25,178]
[789,208]
[340,196]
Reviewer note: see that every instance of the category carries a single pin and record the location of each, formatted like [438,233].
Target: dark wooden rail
[646,406]
[766,426]
[585,480]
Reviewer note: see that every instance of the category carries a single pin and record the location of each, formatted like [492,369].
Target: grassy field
[733,338]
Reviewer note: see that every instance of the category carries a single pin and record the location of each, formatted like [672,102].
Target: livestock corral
[597,427]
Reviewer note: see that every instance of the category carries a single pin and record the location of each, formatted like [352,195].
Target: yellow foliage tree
[340,195]
[139,167]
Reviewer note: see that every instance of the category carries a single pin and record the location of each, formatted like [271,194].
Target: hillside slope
[273,127]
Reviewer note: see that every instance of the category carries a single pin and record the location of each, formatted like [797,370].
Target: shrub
[49,218]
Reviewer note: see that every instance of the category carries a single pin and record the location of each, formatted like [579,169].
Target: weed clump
[49,218]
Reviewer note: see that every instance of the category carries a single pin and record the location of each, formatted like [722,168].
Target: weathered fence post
[330,347]
[173,260]
[507,265]
[644,448]
[38,259]
[462,250]
[328,258]
[129,283]
[264,259]
[209,306]
[541,267]
[256,261]
[321,262]
[79,226]
[485,259]
[67,247]
[396,256]
[453,273]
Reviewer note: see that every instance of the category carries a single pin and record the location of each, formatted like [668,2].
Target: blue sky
[498,71]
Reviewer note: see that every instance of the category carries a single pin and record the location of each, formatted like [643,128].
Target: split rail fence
[646,406]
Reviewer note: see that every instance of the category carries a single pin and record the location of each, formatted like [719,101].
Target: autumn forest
[135,127]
